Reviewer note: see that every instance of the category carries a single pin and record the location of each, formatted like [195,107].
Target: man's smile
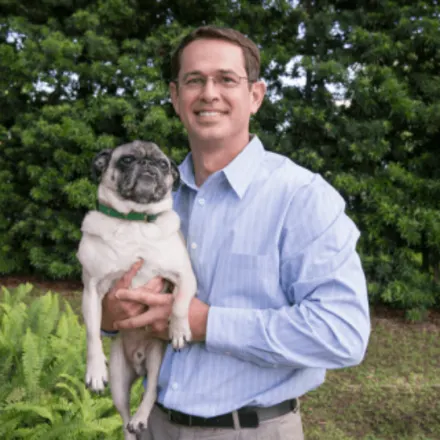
[209,113]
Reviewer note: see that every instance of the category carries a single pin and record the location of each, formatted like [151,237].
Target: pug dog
[134,220]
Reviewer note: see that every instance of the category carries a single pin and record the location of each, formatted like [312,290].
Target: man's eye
[225,79]
[195,80]
[126,160]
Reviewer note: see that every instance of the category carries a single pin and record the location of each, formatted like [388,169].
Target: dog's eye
[127,160]
[163,164]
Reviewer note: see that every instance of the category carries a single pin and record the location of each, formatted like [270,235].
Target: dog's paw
[97,376]
[136,427]
[179,332]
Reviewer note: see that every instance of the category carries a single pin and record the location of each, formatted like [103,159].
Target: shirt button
[174,386]
[193,245]
[201,202]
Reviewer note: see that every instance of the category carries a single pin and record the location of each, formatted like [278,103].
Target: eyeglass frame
[214,80]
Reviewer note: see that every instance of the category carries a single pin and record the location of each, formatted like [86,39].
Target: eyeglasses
[228,80]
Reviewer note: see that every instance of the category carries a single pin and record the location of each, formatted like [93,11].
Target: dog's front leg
[184,290]
[96,375]
[153,361]
[122,376]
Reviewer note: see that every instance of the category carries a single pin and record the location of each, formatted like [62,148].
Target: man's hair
[250,50]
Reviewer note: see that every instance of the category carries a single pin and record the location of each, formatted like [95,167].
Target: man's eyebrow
[193,72]
[227,71]
[198,72]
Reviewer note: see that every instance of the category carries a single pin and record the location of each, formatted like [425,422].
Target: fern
[32,362]
[19,294]
[6,369]
[16,395]
[42,392]
[44,314]
[33,409]
[71,391]
[13,323]
[9,426]
[71,430]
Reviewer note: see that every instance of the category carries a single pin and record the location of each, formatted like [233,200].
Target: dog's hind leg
[122,376]
[96,375]
[153,361]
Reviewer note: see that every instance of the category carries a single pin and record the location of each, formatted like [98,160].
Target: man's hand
[114,309]
[126,308]
[155,308]
[158,311]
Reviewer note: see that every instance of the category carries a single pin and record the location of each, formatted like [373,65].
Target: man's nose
[210,89]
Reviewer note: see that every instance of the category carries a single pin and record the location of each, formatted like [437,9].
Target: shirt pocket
[247,281]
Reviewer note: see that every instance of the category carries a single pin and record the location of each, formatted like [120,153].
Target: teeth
[208,113]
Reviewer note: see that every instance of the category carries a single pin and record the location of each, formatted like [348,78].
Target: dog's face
[138,171]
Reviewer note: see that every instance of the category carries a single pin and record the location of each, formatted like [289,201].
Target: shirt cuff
[229,330]
[108,333]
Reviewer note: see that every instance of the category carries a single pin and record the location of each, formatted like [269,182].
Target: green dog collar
[138,216]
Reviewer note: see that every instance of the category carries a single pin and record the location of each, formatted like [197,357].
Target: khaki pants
[287,427]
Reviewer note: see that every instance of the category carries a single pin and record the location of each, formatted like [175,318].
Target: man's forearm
[198,319]
[294,336]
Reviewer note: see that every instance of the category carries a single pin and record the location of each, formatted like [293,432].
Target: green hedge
[77,77]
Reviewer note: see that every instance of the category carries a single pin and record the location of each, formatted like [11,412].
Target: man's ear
[174,93]
[258,91]
[176,175]
[100,163]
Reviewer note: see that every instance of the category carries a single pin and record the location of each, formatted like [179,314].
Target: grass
[393,395]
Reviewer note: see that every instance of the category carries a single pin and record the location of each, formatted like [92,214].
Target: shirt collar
[186,170]
[239,172]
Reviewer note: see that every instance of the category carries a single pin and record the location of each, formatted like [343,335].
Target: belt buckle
[249,419]
[294,404]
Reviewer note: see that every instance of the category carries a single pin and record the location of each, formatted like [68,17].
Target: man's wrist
[105,327]
[198,319]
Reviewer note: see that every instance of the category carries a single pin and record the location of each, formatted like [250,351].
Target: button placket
[195,226]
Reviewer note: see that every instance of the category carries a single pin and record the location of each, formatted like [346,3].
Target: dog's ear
[100,163]
[176,175]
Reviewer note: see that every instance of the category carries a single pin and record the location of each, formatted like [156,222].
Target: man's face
[214,111]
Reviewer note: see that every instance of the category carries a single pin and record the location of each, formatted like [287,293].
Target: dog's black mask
[138,171]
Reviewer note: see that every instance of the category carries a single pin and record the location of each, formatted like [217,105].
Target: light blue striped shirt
[274,255]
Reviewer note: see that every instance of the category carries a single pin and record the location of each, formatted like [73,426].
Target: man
[281,292]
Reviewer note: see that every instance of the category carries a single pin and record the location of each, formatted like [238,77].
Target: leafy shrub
[399,283]
[42,392]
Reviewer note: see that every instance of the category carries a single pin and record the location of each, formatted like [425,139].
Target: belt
[247,417]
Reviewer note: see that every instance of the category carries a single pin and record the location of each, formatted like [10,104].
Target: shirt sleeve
[327,324]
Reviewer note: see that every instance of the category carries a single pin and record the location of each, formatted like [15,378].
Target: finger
[147,318]
[130,308]
[144,296]
[156,284]
[128,276]
[159,326]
